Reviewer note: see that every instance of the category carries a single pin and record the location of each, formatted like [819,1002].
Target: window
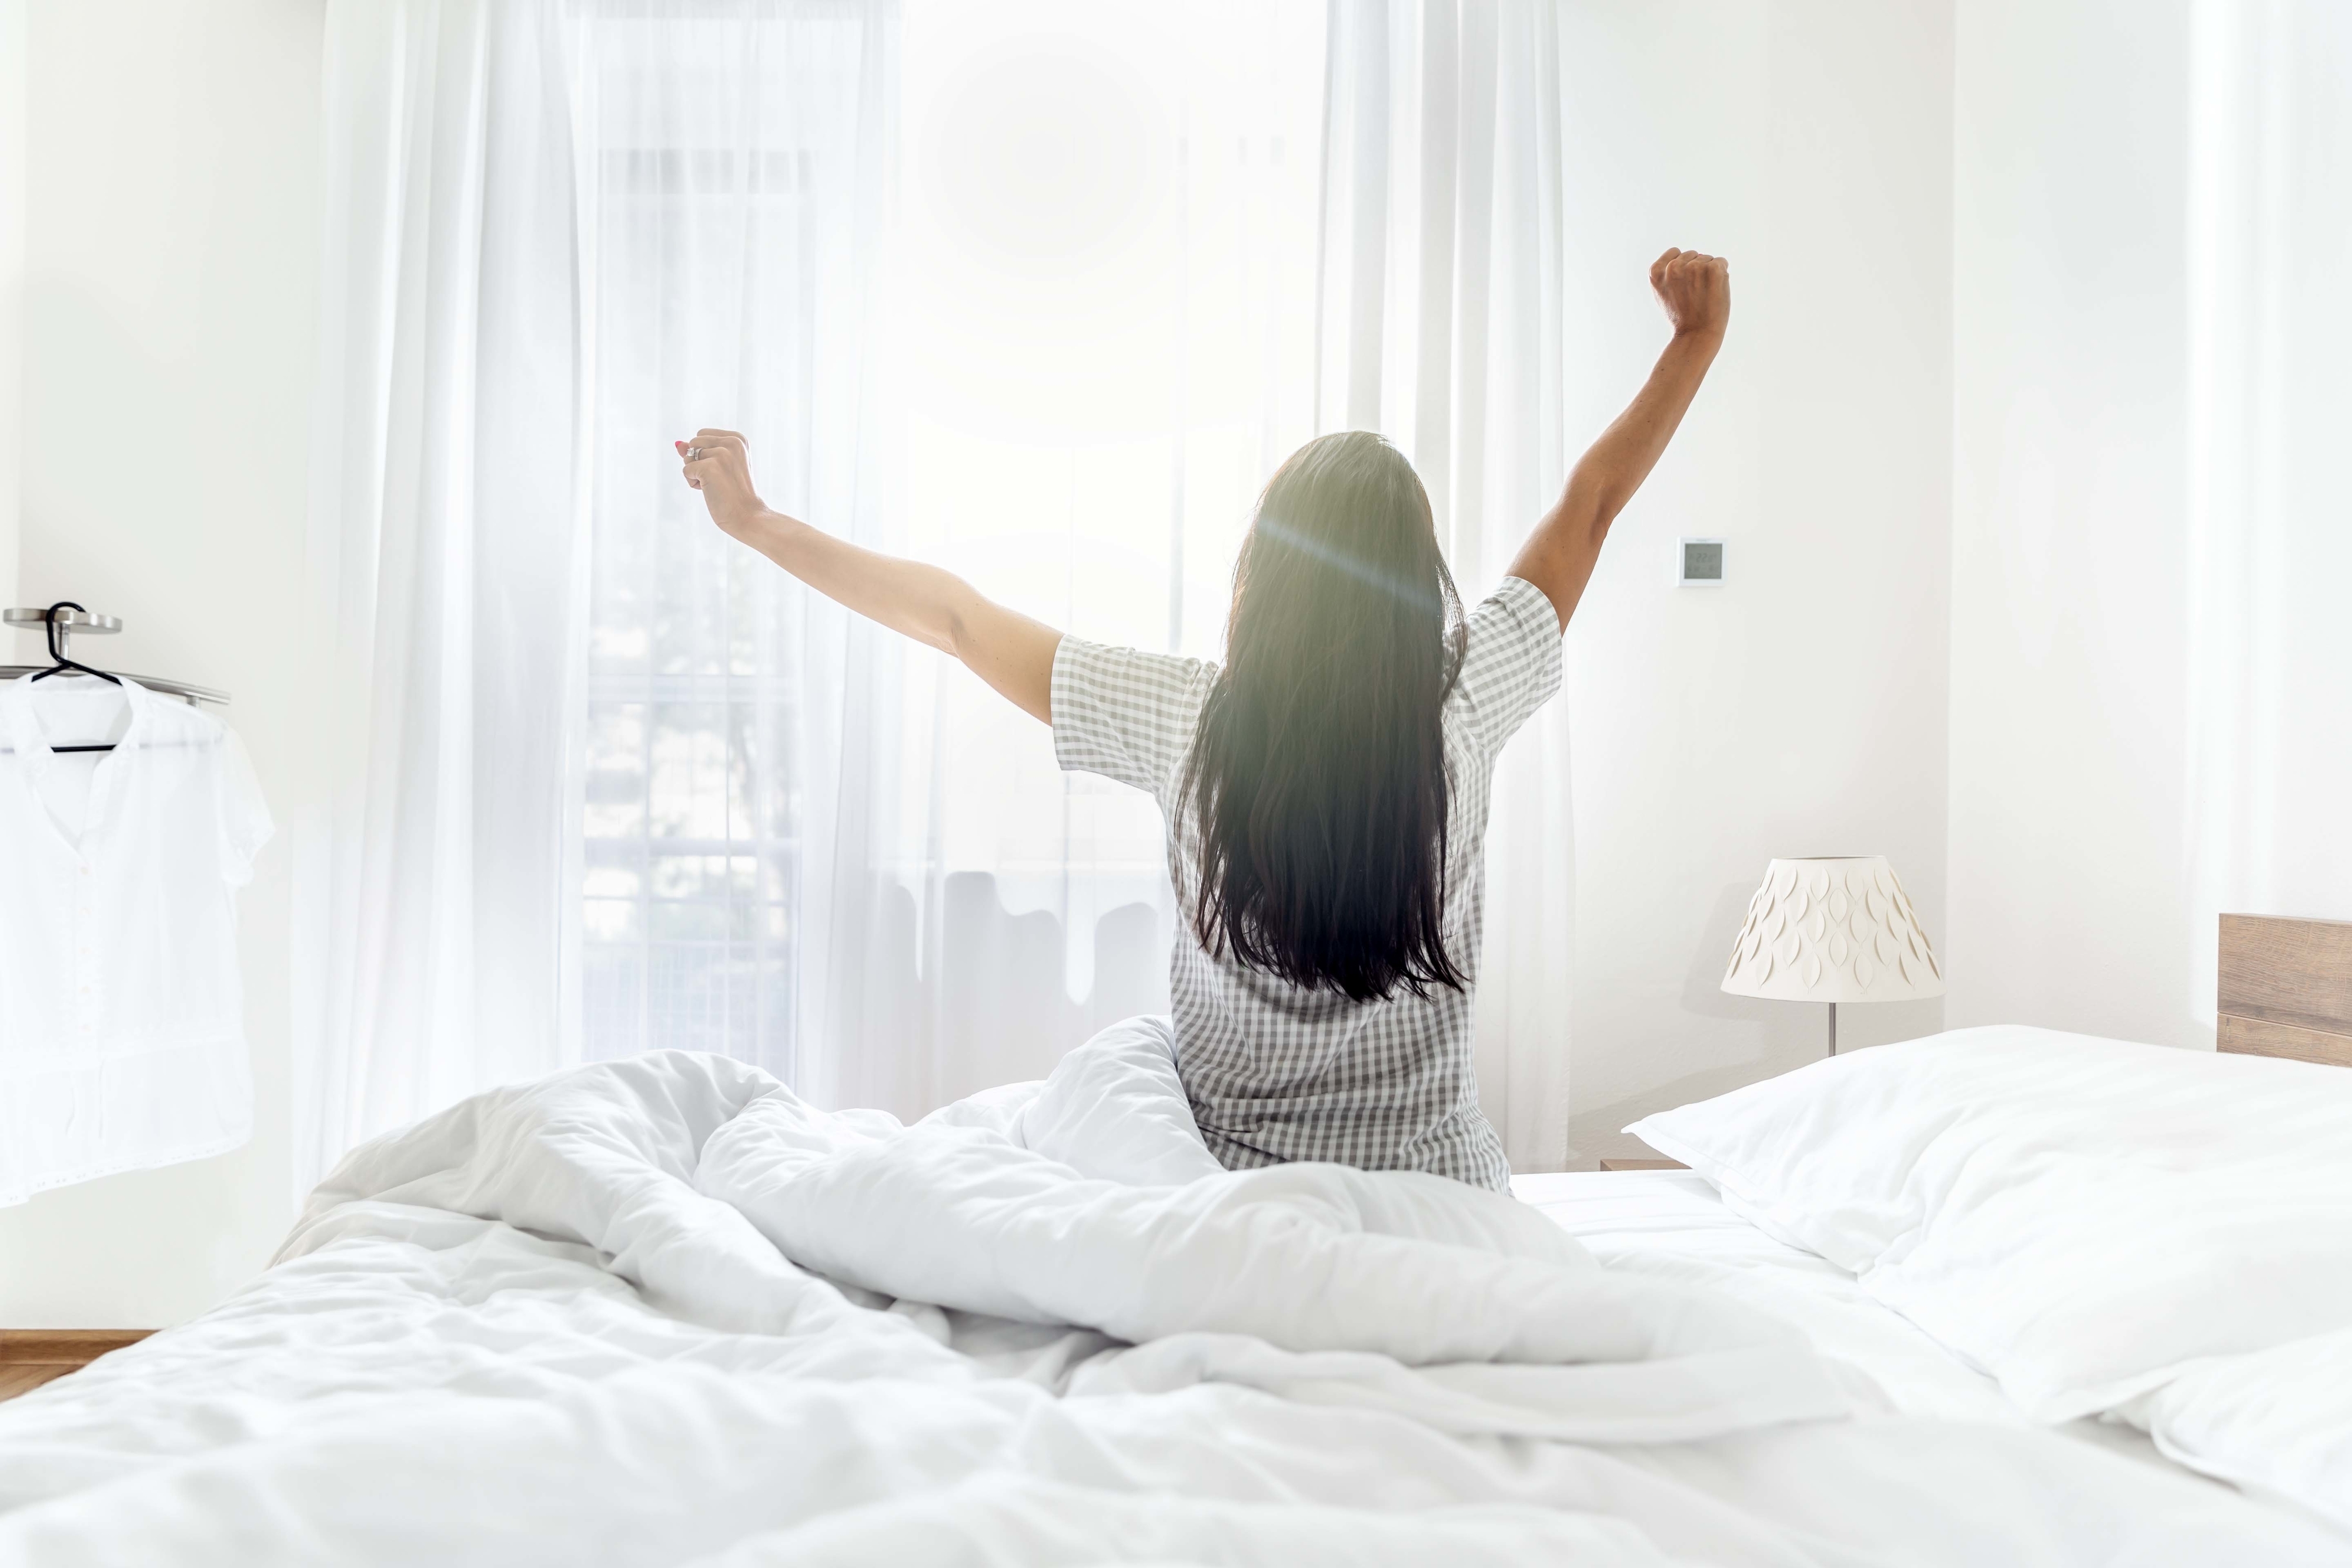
[711,198]
[1065,283]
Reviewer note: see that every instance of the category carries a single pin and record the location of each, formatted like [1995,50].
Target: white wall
[171,234]
[1799,710]
[12,289]
[2069,897]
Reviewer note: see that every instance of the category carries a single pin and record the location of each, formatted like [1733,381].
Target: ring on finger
[694,454]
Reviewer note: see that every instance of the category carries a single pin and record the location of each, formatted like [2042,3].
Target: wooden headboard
[2287,987]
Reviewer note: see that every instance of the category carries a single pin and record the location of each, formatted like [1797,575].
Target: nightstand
[1622,1152]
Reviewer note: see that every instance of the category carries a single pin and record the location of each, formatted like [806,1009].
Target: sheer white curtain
[2270,495]
[1038,291]
[741,159]
[1104,303]
[1440,324]
[1147,252]
[446,561]
[580,739]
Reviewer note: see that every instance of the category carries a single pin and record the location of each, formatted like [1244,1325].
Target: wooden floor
[30,1357]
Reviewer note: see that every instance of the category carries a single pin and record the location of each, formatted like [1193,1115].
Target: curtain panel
[1043,297]
[2270,502]
[573,764]
[446,551]
[1440,323]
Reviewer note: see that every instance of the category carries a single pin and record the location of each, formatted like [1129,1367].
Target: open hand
[718,465]
[1696,289]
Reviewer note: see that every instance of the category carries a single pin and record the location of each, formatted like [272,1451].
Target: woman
[1326,789]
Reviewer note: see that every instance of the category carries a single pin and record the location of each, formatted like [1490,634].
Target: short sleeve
[1510,662]
[1126,714]
[245,822]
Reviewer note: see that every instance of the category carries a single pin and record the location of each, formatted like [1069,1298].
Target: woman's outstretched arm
[1558,556]
[1007,650]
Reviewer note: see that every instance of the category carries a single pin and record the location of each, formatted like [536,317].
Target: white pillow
[2077,1216]
[2277,1421]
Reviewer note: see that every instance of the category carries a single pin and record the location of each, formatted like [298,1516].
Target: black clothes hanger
[59,664]
[59,627]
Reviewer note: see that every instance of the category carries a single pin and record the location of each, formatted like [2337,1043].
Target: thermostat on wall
[1699,563]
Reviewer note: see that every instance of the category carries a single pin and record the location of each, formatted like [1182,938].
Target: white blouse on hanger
[122,1027]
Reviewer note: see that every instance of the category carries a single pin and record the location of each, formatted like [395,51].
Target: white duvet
[662,1312]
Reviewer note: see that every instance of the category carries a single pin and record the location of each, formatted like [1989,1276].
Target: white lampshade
[1833,931]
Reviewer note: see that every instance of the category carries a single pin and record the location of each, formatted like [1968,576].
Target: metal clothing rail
[184,690]
[71,619]
[59,623]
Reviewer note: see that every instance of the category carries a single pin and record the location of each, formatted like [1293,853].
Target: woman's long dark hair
[1317,779]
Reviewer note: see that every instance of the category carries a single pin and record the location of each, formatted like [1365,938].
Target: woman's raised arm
[1558,556]
[1009,651]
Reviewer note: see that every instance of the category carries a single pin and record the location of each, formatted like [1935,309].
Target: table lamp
[1833,930]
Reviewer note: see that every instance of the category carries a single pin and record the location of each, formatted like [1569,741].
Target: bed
[1997,1297]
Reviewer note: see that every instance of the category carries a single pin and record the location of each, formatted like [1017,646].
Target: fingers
[1686,270]
[1695,288]
[708,445]
[708,461]
[1679,268]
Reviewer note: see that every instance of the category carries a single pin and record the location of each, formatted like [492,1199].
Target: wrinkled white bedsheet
[662,1311]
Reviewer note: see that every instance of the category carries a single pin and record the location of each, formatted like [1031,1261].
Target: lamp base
[1833,1028]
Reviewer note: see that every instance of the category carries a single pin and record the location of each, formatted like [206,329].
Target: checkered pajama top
[1276,1073]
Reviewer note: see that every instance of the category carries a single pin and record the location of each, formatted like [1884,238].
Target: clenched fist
[718,464]
[1696,289]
